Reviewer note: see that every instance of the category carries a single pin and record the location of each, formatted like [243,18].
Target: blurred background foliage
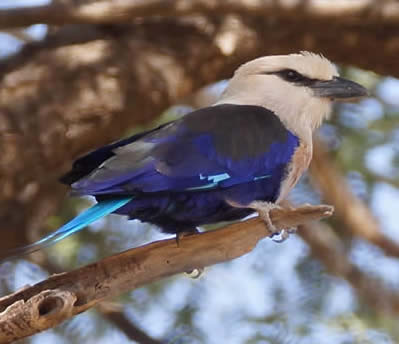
[277,294]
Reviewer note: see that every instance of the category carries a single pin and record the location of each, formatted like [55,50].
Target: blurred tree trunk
[62,101]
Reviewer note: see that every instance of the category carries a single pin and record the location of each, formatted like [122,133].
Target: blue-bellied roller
[219,163]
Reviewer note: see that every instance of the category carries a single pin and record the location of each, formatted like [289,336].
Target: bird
[241,155]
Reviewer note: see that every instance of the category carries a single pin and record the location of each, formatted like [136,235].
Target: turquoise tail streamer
[90,215]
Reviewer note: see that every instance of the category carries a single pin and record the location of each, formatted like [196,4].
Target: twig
[329,249]
[20,34]
[48,303]
[351,211]
[114,314]
[117,11]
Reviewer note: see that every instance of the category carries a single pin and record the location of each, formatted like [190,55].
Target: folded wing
[214,147]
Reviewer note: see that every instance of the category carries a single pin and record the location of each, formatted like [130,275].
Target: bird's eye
[291,75]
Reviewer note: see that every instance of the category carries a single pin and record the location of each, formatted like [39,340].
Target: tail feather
[90,215]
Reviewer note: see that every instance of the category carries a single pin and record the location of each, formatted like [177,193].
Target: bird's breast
[299,163]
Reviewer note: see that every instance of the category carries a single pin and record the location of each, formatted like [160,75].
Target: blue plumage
[181,175]
[81,221]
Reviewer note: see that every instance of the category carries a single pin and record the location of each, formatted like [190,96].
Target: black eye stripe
[293,76]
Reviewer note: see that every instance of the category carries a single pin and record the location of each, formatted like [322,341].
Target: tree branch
[111,311]
[114,314]
[84,85]
[327,247]
[64,295]
[117,11]
[352,212]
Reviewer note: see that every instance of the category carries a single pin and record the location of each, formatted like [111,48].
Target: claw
[263,209]
[196,273]
[282,236]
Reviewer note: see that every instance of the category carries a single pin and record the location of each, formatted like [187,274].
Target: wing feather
[213,147]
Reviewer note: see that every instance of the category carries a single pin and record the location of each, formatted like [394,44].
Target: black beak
[338,88]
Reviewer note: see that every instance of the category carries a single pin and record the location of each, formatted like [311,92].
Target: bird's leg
[195,273]
[263,209]
[184,233]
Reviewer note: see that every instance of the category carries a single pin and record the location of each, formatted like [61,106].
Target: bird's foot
[283,235]
[263,209]
[195,273]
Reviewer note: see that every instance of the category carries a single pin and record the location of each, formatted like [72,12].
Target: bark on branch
[46,304]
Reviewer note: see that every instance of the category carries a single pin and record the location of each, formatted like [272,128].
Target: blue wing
[215,147]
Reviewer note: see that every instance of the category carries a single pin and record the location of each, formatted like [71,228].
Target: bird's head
[299,88]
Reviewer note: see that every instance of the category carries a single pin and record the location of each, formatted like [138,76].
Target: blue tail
[90,215]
